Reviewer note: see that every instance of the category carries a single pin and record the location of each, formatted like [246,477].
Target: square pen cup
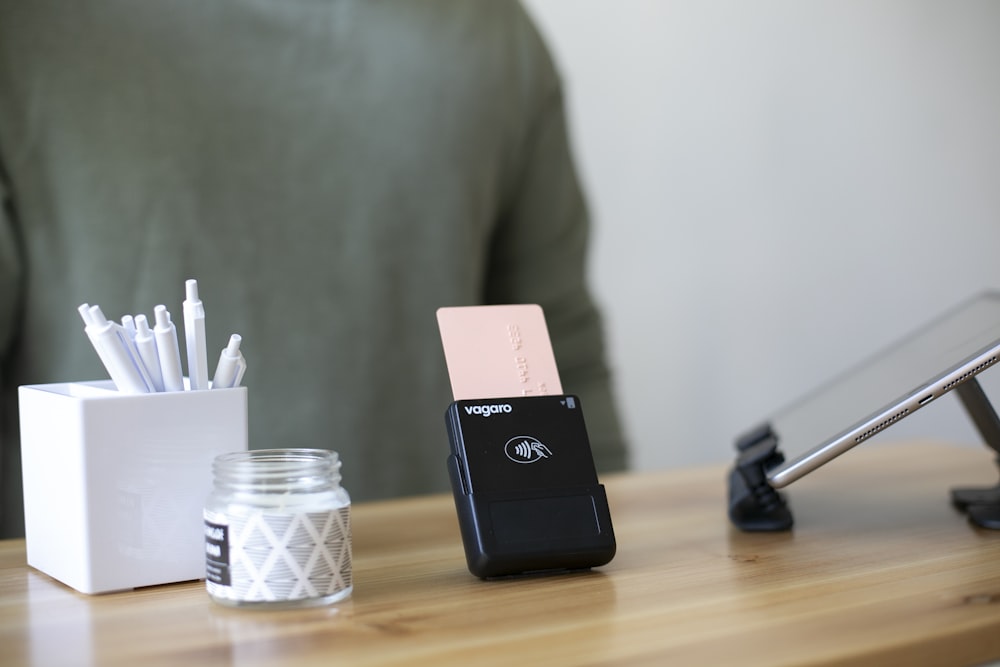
[115,484]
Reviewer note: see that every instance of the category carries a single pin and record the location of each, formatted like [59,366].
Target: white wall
[779,188]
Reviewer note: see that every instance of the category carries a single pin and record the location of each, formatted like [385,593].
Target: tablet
[889,386]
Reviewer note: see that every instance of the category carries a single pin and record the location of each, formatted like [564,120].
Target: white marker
[145,344]
[168,351]
[194,334]
[232,365]
[110,341]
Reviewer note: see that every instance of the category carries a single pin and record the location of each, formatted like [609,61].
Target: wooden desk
[879,570]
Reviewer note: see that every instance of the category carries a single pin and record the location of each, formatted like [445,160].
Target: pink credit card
[498,351]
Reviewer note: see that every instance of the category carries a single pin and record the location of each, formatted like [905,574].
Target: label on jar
[277,557]
[216,553]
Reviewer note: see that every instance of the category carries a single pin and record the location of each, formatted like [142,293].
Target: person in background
[330,171]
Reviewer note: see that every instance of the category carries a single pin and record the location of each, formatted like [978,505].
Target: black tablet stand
[755,506]
[981,505]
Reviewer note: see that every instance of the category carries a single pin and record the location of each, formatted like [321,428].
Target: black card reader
[525,486]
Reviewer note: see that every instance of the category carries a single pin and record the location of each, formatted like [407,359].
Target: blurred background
[779,189]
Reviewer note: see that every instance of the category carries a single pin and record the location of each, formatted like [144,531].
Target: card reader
[525,486]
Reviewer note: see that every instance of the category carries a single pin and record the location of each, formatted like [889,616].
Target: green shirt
[330,171]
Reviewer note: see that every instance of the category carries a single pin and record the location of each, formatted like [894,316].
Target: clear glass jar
[278,529]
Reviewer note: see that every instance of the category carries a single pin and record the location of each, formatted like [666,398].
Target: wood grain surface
[879,570]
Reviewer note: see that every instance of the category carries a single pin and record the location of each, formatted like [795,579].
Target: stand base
[985,516]
[981,505]
[754,506]
[966,499]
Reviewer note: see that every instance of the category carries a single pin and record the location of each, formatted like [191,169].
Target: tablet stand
[755,506]
[982,505]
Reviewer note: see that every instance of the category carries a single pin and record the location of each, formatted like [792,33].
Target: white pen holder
[114,484]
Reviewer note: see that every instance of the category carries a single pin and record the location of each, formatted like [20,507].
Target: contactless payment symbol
[525,449]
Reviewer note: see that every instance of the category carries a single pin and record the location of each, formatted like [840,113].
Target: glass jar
[278,529]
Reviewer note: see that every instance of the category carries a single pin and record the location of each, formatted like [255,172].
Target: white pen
[145,344]
[167,350]
[194,334]
[110,340]
[84,311]
[232,365]
[128,324]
